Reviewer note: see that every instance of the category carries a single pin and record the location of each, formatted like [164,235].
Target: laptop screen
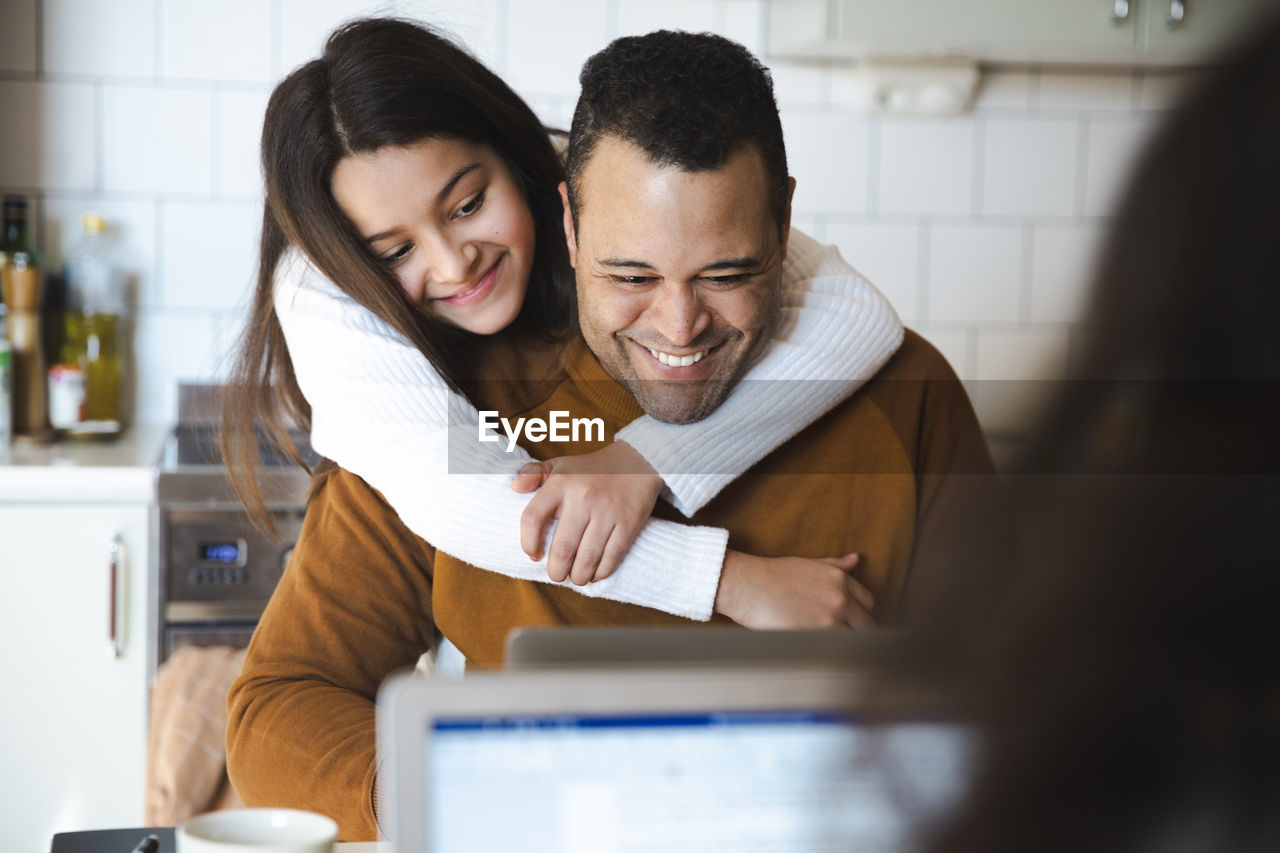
[720,781]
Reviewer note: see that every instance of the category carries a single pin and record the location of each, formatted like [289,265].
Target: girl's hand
[600,501]
[771,593]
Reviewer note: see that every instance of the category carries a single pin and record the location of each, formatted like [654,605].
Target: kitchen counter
[123,469]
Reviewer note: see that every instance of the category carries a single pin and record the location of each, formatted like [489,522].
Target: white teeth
[677,360]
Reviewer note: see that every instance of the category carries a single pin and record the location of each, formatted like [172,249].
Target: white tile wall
[828,155]
[979,228]
[157,139]
[975,274]
[887,254]
[926,166]
[227,40]
[172,346]
[1029,167]
[302,26]
[105,38]
[238,126]
[199,268]
[741,21]
[641,16]
[547,43]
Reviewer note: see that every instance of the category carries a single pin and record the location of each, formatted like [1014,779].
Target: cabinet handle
[115,641]
[1119,12]
[1177,14]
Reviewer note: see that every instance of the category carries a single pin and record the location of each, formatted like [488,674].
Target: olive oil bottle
[85,383]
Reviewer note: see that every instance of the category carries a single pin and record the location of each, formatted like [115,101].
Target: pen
[150,844]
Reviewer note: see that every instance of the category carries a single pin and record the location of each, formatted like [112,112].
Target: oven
[216,569]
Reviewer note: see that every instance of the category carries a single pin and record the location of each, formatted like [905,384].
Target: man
[677,228]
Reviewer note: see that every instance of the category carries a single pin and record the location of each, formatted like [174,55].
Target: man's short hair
[687,100]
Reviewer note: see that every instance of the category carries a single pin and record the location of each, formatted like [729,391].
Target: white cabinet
[76,642]
[1094,32]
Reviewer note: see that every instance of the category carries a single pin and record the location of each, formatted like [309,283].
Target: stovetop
[191,470]
[196,446]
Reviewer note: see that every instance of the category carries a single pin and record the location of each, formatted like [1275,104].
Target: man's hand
[793,592]
[600,501]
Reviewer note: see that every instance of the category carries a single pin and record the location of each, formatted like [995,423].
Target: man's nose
[678,313]
[450,260]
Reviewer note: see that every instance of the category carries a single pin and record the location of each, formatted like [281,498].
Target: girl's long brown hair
[379,82]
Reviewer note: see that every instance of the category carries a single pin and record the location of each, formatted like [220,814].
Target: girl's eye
[472,206]
[398,255]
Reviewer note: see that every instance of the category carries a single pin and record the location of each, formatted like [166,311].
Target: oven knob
[242,576]
[193,577]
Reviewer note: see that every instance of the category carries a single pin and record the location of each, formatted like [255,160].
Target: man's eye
[472,206]
[632,280]
[727,280]
[398,255]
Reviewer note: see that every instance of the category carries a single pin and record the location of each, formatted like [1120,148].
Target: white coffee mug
[259,830]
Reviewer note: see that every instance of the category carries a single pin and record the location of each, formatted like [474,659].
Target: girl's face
[448,219]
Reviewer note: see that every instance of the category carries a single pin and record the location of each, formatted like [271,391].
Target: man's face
[679,274]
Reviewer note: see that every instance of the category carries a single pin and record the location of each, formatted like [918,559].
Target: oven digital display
[226,552]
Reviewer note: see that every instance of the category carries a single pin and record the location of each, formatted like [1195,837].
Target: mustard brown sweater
[364,597]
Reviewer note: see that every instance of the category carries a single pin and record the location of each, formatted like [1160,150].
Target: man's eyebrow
[440,198]
[626,262]
[732,264]
[726,264]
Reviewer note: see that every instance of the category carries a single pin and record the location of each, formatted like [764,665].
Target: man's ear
[786,216]
[570,236]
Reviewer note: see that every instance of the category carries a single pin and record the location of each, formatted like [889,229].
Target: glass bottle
[85,383]
[20,286]
[6,371]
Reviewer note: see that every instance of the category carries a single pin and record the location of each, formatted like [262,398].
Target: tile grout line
[1025,286]
[1084,127]
[875,139]
[502,30]
[924,236]
[277,37]
[157,32]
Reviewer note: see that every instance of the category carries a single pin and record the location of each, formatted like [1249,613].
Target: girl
[377,342]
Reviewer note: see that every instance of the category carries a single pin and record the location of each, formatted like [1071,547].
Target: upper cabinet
[1071,32]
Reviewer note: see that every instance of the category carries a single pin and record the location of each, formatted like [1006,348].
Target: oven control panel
[218,554]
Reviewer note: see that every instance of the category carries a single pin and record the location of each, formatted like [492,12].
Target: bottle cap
[93,223]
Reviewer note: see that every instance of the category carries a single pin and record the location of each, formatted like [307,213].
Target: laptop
[796,758]
[607,647]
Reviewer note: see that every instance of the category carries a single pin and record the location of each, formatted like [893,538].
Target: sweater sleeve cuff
[689,592]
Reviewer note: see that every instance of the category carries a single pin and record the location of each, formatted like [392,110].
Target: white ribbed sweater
[380,410]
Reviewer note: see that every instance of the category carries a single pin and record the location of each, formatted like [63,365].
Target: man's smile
[671,360]
[681,364]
